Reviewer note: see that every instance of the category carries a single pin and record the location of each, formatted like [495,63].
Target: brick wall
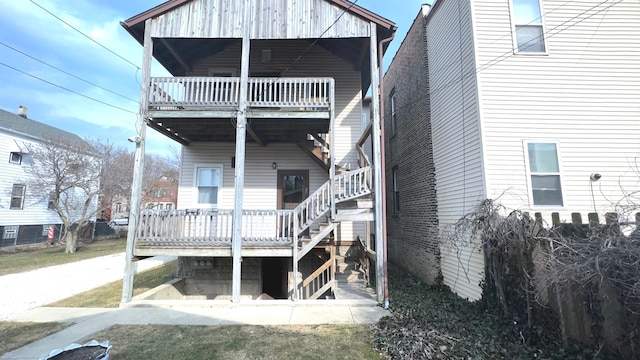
[411,231]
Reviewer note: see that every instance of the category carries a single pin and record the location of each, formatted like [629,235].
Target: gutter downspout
[383,168]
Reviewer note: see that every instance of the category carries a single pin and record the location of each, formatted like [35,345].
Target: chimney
[22,111]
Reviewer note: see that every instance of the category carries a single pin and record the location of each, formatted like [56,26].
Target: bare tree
[117,173]
[67,175]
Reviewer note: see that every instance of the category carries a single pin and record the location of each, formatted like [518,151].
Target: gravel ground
[27,290]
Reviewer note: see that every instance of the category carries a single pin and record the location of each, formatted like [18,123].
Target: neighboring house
[161,194]
[120,206]
[25,217]
[266,98]
[532,103]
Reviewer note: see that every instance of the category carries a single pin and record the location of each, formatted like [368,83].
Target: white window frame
[196,168]
[15,158]
[24,193]
[396,190]
[514,33]
[10,232]
[529,173]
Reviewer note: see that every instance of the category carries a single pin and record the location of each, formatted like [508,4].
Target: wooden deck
[208,232]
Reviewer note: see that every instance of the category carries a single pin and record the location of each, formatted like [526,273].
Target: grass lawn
[25,259]
[18,334]
[109,295]
[239,342]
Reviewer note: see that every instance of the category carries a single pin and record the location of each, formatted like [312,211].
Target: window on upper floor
[544,173]
[528,26]
[208,184]
[393,111]
[17,196]
[15,158]
[396,190]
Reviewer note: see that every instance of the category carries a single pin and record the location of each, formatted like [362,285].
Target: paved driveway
[24,291]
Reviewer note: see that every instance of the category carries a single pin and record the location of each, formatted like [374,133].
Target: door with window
[293,188]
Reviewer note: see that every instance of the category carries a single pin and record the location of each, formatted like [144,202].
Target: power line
[67,89]
[83,34]
[68,73]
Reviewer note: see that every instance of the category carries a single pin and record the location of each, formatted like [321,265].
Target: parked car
[119,222]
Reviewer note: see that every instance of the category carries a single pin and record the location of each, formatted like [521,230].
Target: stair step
[353,291]
[353,277]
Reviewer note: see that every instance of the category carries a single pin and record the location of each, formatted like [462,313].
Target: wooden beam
[182,62]
[377,163]
[226,113]
[241,132]
[138,168]
[255,136]
[167,133]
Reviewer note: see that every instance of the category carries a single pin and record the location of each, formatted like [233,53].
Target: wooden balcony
[211,97]
[208,232]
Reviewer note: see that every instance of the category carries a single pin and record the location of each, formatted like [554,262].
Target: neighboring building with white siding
[528,100]
[25,217]
[266,99]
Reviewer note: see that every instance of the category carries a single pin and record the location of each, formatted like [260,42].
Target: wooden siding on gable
[457,146]
[270,19]
[584,94]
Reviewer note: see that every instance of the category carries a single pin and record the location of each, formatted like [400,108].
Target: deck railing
[214,226]
[177,93]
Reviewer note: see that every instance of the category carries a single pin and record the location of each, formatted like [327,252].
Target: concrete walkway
[27,290]
[17,292]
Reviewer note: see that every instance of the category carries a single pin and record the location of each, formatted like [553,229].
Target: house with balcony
[532,103]
[275,189]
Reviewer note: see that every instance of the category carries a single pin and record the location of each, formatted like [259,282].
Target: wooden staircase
[350,281]
[352,191]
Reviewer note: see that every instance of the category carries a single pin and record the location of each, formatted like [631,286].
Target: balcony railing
[184,93]
[213,227]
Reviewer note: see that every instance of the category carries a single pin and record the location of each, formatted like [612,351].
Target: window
[51,204]
[393,111]
[396,190]
[169,206]
[208,183]
[17,196]
[10,232]
[544,170]
[15,158]
[157,193]
[528,28]
[159,207]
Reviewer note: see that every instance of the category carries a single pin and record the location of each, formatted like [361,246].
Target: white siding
[260,191]
[317,62]
[271,19]
[457,150]
[35,210]
[584,95]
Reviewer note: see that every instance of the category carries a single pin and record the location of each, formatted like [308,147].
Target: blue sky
[28,28]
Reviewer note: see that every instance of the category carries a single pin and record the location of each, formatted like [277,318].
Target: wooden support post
[377,162]
[138,166]
[295,295]
[241,134]
[332,147]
